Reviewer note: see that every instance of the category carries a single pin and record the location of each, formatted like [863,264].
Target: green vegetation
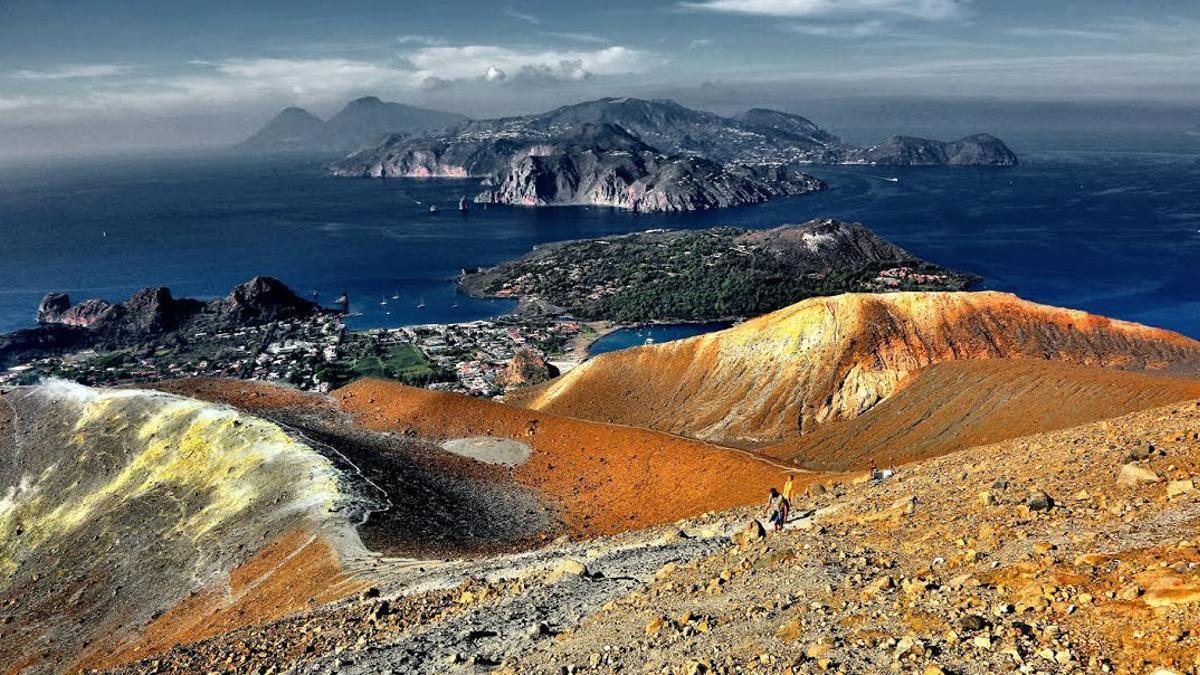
[403,362]
[692,275]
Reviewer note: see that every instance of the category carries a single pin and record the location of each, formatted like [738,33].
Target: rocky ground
[1071,551]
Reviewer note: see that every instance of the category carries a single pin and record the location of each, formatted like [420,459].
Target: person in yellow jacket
[787,489]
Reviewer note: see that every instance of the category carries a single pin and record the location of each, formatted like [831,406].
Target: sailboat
[462,204]
[383,302]
[422,304]
[395,295]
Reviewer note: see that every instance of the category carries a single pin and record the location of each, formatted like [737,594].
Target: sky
[129,71]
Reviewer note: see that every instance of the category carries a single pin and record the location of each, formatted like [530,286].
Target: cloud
[20,102]
[699,43]
[514,13]
[75,71]
[494,74]
[420,40]
[477,61]
[577,37]
[1040,32]
[916,9]
[858,29]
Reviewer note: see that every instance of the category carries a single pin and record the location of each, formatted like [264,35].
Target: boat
[434,209]
[649,341]
[462,204]
[421,305]
[383,302]
[395,295]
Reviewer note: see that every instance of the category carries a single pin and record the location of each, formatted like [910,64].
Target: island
[647,155]
[699,275]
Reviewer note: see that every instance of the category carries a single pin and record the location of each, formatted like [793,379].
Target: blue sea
[1106,229]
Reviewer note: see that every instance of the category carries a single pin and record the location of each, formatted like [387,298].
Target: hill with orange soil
[605,478]
[956,405]
[832,358]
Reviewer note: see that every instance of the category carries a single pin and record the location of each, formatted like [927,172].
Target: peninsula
[724,272]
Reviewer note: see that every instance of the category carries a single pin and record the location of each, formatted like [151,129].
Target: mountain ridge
[359,123]
[758,136]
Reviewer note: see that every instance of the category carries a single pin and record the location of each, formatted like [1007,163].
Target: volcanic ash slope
[132,520]
[833,358]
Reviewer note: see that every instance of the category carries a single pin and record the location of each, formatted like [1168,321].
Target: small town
[318,353]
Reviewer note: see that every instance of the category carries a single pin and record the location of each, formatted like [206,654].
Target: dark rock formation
[51,309]
[149,314]
[362,122]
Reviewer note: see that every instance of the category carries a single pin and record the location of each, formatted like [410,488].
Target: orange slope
[605,478]
[826,359]
[956,405]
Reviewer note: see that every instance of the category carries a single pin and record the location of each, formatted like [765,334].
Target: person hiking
[774,510]
[788,488]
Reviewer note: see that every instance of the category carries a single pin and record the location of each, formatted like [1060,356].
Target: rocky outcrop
[606,166]
[827,359]
[526,368]
[51,309]
[976,150]
[149,314]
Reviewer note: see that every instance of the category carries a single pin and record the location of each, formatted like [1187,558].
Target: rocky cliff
[834,358]
[606,166]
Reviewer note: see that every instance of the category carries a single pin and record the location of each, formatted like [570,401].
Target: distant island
[724,272]
[647,156]
[363,122]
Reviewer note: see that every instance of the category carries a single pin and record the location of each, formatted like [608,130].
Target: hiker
[775,510]
[788,487]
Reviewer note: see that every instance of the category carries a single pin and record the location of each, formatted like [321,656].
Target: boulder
[750,534]
[1132,475]
[1180,488]
[1039,501]
[568,567]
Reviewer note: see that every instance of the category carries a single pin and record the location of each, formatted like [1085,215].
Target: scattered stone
[1180,488]
[1039,501]
[1132,475]
[567,568]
